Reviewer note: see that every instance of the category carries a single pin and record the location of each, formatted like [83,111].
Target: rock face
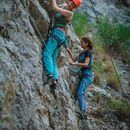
[128,2]
[108,8]
[25,103]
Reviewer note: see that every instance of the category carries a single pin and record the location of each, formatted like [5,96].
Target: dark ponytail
[86,40]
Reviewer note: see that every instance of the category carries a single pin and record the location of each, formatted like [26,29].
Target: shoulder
[88,53]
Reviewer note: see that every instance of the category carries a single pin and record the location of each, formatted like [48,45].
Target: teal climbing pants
[81,92]
[51,51]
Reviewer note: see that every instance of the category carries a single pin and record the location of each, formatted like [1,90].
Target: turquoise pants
[81,92]
[51,51]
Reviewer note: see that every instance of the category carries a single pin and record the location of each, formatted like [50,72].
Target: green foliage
[115,35]
[113,82]
[120,107]
[128,125]
[80,23]
[97,97]
[108,67]
[128,11]
[99,52]
[97,68]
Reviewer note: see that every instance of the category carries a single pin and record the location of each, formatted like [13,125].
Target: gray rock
[24,102]
[105,8]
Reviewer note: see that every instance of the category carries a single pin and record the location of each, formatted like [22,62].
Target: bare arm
[66,13]
[83,65]
[71,55]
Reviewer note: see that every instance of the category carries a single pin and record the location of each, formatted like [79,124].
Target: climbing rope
[34,24]
[122,91]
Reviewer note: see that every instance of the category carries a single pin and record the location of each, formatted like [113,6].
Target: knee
[46,55]
[79,94]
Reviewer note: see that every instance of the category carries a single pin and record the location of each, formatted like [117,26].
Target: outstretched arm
[66,13]
[83,65]
[71,55]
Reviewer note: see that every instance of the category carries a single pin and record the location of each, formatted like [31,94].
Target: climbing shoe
[54,84]
[82,115]
[52,90]
[85,116]
[49,80]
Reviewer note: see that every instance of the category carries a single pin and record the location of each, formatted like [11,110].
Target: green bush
[121,108]
[113,82]
[80,23]
[97,66]
[115,35]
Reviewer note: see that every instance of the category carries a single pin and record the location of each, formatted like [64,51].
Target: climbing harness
[60,43]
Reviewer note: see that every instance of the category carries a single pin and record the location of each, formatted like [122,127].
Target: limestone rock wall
[25,103]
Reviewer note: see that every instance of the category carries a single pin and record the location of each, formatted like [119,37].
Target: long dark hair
[86,40]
